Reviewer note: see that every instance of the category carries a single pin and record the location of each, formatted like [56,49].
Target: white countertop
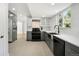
[49,31]
[69,38]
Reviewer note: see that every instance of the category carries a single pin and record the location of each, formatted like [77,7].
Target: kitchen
[46,29]
[60,32]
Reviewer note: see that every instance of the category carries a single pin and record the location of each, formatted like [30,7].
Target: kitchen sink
[54,33]
[50,35]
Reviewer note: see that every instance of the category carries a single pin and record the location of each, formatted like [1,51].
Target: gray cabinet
[42,36]
[51,45]
[49,42]
[29,35]
[64,48]
[46,39]
[71,50]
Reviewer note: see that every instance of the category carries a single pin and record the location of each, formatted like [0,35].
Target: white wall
[53,22]
[29,24]
[23,22]
[19,27]
[4,27]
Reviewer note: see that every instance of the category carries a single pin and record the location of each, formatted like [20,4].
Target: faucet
[57,28]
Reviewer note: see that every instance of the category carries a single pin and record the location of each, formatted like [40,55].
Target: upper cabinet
[29,24]
[46,24]
[42,22]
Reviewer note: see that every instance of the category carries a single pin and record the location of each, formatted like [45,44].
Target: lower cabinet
[63,48]
[43,36]
[49,42]
[29,35]
[59,47]
[51,45]
[71,50]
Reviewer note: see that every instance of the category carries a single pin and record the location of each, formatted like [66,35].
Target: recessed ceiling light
[13,8]
[52,3]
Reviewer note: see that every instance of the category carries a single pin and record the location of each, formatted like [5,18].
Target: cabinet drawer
[29,35]
[51,45]
[70,52]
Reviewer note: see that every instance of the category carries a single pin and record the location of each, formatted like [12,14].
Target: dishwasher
[59,46]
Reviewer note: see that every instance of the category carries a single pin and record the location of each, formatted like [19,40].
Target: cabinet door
[42,36]
[71,50]
[51,44]
[29,35]
[46,38]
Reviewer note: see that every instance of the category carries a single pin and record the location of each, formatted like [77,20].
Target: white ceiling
[20,8]
[37,10]
[45,9]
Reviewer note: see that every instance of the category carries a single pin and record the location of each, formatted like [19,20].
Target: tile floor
[21,47]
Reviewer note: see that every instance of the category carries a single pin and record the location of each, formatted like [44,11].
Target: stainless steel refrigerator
[12,26]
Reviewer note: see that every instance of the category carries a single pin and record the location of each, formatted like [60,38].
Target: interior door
[1,40]
[1,36]
[3,29]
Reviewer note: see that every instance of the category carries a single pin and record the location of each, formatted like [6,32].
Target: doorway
[19,29]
